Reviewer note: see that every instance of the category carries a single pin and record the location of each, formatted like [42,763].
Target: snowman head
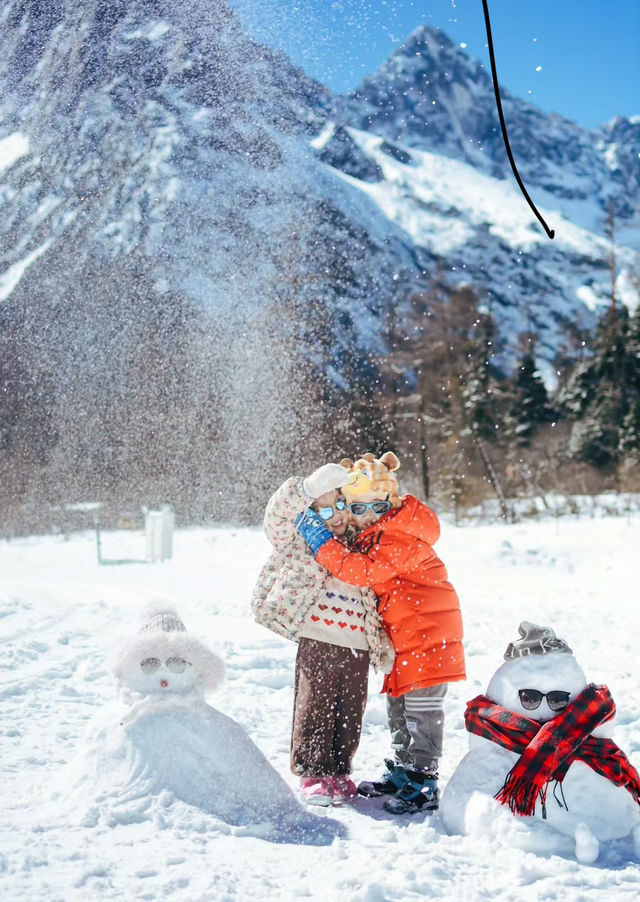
[540,676]
[163,659]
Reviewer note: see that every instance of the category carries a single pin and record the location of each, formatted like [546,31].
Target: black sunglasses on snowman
[531,699]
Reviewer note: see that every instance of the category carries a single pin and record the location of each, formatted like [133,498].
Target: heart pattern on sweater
[341,624]
[336,610]
[329,622]
[323,607]
[313,617]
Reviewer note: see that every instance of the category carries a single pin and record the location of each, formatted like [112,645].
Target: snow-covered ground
[61,612]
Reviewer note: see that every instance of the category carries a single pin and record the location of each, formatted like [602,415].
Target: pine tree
[602,393]
[529,402]
[480,389]
[453,385]
[597,396]
[412,412]
[630,432]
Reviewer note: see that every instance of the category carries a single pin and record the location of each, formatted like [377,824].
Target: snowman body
[587,809]
[143,757]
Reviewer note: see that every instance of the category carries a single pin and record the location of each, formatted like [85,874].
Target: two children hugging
[392,571]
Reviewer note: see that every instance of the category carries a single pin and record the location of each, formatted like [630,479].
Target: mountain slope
[425,130]
[431,96]
[164,216]
[202,249]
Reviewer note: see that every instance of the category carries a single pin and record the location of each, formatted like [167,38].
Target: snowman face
[161,673]
[553,672]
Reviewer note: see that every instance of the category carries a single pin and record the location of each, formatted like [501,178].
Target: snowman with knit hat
[162,660]
[161,743]
[542,772]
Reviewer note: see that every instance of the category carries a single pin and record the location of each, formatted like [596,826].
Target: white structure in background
[158,527]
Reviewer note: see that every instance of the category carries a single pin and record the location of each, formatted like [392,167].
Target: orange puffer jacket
[418,605]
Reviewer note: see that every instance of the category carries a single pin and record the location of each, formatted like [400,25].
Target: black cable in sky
[550,232]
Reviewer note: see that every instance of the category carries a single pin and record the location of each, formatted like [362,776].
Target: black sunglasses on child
[530,699]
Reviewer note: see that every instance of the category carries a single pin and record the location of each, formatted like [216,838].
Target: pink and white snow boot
[317,790]
[343,788]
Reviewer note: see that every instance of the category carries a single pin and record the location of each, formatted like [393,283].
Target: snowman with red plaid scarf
[542,772]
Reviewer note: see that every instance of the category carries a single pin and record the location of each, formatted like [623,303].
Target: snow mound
[181,759]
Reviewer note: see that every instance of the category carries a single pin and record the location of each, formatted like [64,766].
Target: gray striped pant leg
[400,736]
[424,716]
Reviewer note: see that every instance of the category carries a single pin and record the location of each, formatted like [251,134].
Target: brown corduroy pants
[328,706]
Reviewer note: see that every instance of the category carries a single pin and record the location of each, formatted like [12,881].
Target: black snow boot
[393,779]
[419,793]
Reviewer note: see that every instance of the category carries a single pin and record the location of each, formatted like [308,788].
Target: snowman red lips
[175,665]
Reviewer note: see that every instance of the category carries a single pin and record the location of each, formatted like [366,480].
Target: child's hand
[387,655]
[312,530]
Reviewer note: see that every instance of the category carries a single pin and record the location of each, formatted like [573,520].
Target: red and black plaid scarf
[549,749]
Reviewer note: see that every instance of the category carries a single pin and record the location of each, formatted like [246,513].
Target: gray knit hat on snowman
[535,640]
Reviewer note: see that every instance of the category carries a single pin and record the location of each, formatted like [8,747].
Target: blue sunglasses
[326,513]
[359,508]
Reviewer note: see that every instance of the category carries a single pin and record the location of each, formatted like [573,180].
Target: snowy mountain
[200,244]
[431,96]
[165,221]
[159,130]
[427,120]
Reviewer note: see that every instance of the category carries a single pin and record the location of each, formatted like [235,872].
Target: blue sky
[588,51]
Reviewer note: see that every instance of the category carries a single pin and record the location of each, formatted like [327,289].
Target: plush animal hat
[372,474]
[535,640]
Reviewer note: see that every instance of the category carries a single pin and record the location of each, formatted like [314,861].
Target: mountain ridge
[458,92]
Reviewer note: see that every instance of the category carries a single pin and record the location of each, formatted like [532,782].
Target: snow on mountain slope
[431,102]
[488,235]
[163,131]
[61,613]
[165,220]
[430,95]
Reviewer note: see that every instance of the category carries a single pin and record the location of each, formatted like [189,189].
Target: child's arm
[281,512]
[294,496]
[384,559]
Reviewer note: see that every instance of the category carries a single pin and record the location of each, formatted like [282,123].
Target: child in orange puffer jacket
[393,554]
